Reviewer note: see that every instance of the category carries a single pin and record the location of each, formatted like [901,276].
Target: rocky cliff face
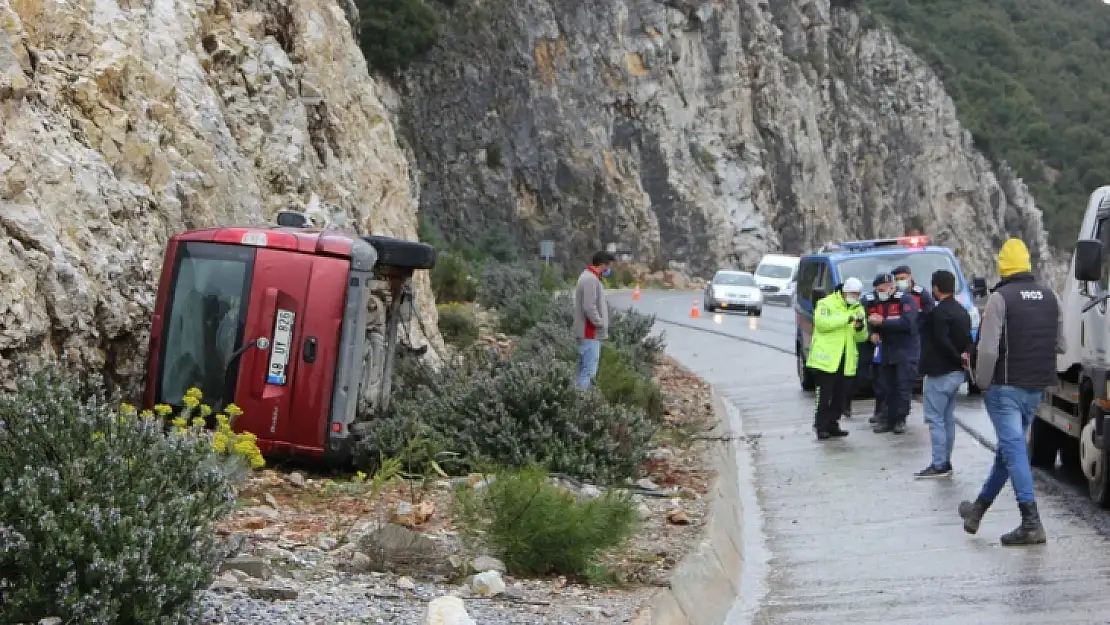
[705,131]
[122,123]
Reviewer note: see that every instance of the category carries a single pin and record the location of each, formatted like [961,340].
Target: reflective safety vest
[834,335]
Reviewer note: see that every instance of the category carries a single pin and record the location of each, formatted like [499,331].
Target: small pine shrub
[510,412]
[539,528]
[392,33]
[547,341]
[504,283]
[551,277]
[458,324]
[104,516]
[619,380]
[454,279]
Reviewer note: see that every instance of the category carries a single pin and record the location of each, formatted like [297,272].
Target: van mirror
[979,286]
[819,294]
[1088,260]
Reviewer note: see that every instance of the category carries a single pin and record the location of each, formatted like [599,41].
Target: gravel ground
[299,544]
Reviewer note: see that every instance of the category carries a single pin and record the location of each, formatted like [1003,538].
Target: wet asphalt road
[851,536]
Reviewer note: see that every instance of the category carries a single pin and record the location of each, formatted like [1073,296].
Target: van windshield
[921,264]
[204,322]
[776,272]
[734,279]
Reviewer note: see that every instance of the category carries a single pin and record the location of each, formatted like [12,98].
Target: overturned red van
[295,325]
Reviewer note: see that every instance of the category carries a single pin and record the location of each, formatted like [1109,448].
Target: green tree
[394,32]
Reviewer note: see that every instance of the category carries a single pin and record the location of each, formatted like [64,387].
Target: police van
[820,272]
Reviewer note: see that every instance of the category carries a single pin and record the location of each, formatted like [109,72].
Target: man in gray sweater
[591,316]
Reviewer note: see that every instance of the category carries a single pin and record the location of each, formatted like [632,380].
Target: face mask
[883,295]
[902,284]
[605,274]
[851,301]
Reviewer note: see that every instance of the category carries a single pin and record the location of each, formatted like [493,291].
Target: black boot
[883,426]
[1030,532]
[972,513]
[899,427]
[836,431]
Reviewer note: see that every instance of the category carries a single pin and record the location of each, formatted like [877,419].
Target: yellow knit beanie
[1013,258]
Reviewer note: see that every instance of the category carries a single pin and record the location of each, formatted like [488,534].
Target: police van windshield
[776,272]
[204,323]
[921,264]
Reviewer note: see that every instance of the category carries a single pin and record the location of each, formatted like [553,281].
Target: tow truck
[296,325]
[1072,420]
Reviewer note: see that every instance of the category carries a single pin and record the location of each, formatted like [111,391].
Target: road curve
[851,536]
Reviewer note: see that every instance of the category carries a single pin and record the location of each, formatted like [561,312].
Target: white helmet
[852,285]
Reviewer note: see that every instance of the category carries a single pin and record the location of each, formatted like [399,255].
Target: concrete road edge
[707,583]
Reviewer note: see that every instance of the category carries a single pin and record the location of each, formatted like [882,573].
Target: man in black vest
[1018,342]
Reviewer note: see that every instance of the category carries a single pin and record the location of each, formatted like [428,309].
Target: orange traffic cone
[636,293]
[694,311]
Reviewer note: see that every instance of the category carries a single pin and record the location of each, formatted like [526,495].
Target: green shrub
[458,324]
[551,277]
[514,412]
[503,283]
[538,528]
[104,516]
[619,380]
[454,279]
[392,33]
[621,276]
[524,311]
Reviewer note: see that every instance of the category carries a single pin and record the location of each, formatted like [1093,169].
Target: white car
[733,290]
[777,276]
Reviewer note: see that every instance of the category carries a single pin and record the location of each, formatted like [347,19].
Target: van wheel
[401,253]
[805,374]
[1042,441]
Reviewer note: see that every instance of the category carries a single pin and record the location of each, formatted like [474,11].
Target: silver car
[733,290]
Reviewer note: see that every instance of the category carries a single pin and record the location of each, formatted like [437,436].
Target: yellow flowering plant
[193,418]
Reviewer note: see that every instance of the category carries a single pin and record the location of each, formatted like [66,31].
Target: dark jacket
[1020,335]
[925,303]
[899,331]
[945,336]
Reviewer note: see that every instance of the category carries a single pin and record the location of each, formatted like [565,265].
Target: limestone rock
[139,120]
[449,610]
[702,132]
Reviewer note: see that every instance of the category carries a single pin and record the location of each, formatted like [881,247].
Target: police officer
[903,281]
[870,355]
[838,327]
[894,328]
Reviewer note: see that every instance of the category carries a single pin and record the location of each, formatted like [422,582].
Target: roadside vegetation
[1029,81]
[393,33]
[106,515]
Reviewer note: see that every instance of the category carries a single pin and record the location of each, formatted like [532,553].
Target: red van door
[294,315]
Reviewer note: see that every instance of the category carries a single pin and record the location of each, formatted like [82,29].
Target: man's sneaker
[823,436]
[882,428]
[931,472]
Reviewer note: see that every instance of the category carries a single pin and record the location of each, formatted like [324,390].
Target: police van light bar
[914,241]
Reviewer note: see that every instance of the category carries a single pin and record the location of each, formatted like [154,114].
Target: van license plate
[279,351]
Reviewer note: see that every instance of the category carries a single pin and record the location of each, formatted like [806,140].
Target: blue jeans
[939,397]
[589,354]
[1011,410]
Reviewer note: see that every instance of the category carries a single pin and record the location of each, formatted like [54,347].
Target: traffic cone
[636,293]
[695,312]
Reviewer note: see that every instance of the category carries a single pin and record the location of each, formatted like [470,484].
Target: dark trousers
[897,390]
[832,388]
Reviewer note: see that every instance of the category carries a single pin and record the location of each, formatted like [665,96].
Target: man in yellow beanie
[1018,342]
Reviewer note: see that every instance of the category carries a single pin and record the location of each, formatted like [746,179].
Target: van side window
[1103,234]
[807,275]
[826,280]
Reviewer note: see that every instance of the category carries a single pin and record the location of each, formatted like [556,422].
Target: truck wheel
[1094,460]
[805,375]
[401,253]
[1042,441]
